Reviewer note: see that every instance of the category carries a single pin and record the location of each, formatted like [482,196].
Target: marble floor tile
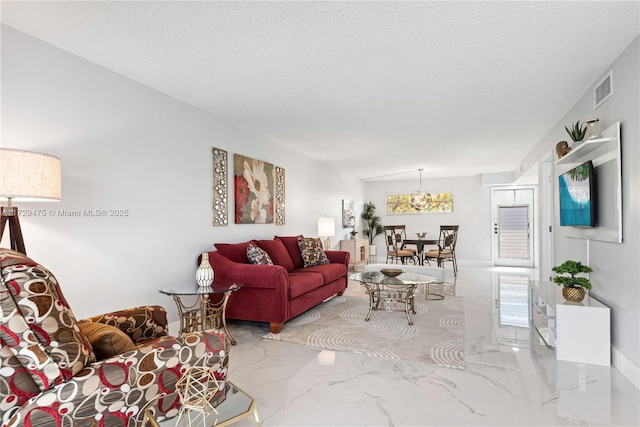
[510,378]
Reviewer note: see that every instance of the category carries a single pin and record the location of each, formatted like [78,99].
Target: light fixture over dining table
[419,198]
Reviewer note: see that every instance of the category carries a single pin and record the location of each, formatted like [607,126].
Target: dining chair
[395,236]
[446,247]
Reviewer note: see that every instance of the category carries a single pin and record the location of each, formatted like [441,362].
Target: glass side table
[208,312]
[234,405]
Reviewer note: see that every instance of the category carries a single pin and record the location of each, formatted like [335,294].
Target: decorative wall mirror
[348,214]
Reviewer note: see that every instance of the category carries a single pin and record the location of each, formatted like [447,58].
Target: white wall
[126,146]
[471,210]
[616,266]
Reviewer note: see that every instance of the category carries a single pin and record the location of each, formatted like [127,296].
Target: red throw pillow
[277,252]
[236,252]
[291,243]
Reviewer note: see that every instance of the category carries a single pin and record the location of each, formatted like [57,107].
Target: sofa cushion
[330,272]
[291,243]
[300,283]
[44,334]
[258,256]
[312,252]
[106,340]
[236,252]
[277,251]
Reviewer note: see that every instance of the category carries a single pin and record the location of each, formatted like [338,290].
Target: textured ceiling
[375,88]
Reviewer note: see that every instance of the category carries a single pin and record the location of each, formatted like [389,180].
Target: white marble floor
[510,378]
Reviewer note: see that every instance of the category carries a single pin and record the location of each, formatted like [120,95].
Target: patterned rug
[338,324]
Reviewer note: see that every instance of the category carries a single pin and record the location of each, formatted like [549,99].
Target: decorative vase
[573,294]
[204,273]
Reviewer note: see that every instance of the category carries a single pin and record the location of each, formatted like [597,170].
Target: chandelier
[419,198]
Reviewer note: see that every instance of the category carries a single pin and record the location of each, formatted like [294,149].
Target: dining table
[420,244]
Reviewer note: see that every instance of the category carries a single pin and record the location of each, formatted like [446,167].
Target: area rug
[436,336]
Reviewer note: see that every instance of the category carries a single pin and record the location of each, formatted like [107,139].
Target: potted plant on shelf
[372,225]
[577,131]
[573,286]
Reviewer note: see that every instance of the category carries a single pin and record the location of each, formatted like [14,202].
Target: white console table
[580,332]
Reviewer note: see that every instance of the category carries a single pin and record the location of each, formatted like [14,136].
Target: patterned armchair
[98,372]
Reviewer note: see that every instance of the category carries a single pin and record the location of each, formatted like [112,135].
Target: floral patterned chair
[98,372]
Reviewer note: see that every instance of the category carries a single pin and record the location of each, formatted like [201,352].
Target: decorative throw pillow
[258,256]
[312,252]
[106,340]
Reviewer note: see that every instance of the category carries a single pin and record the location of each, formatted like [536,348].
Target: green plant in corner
[577,131]
[372,224]
[572,268]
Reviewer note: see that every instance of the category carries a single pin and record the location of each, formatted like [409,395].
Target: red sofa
[279,292]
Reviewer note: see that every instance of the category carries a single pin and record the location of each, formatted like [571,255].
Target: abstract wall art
[254,190]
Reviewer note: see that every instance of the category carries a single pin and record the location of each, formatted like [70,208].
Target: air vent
[603,90]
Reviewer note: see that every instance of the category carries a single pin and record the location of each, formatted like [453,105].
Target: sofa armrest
[139,323]
[116,389]
[251,275]
[339,257]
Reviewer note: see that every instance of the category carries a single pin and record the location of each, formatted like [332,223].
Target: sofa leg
[275,327]
[340,293]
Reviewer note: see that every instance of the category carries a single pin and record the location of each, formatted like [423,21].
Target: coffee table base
[390,297]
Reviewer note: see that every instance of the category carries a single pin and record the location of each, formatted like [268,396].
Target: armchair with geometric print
[98,372]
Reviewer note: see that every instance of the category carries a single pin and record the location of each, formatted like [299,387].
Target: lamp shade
[29,176]
[326,226]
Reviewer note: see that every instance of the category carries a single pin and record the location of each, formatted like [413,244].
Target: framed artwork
[438,203]
[253,183]
[220,188]
[280,199]
[348,213]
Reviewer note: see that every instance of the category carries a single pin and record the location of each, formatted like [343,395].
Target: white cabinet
[580,332]
[358,249]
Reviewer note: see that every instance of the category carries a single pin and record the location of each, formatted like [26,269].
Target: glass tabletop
[377,278]
[236,403]
[192,288]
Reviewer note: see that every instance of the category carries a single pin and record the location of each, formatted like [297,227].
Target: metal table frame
[391,290]
[205,313]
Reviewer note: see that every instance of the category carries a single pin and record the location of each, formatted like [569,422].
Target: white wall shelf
[583,151]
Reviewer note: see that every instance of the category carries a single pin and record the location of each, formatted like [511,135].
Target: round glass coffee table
[208,311]
[387,292]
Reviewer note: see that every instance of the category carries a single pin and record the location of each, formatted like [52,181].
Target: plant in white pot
[577,131]
[573,285]
[372,225]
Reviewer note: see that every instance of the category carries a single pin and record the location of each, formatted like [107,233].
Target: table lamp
[25,176]
[326,229]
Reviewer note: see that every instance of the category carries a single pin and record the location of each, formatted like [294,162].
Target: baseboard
[626,368]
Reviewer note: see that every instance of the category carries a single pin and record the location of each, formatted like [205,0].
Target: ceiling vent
[603,90]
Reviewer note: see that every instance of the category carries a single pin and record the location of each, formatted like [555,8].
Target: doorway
[513,227]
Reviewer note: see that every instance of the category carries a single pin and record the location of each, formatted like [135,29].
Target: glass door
[512,228]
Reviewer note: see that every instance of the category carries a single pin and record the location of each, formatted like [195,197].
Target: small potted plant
[573,286]
[353,233]
[577,131]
